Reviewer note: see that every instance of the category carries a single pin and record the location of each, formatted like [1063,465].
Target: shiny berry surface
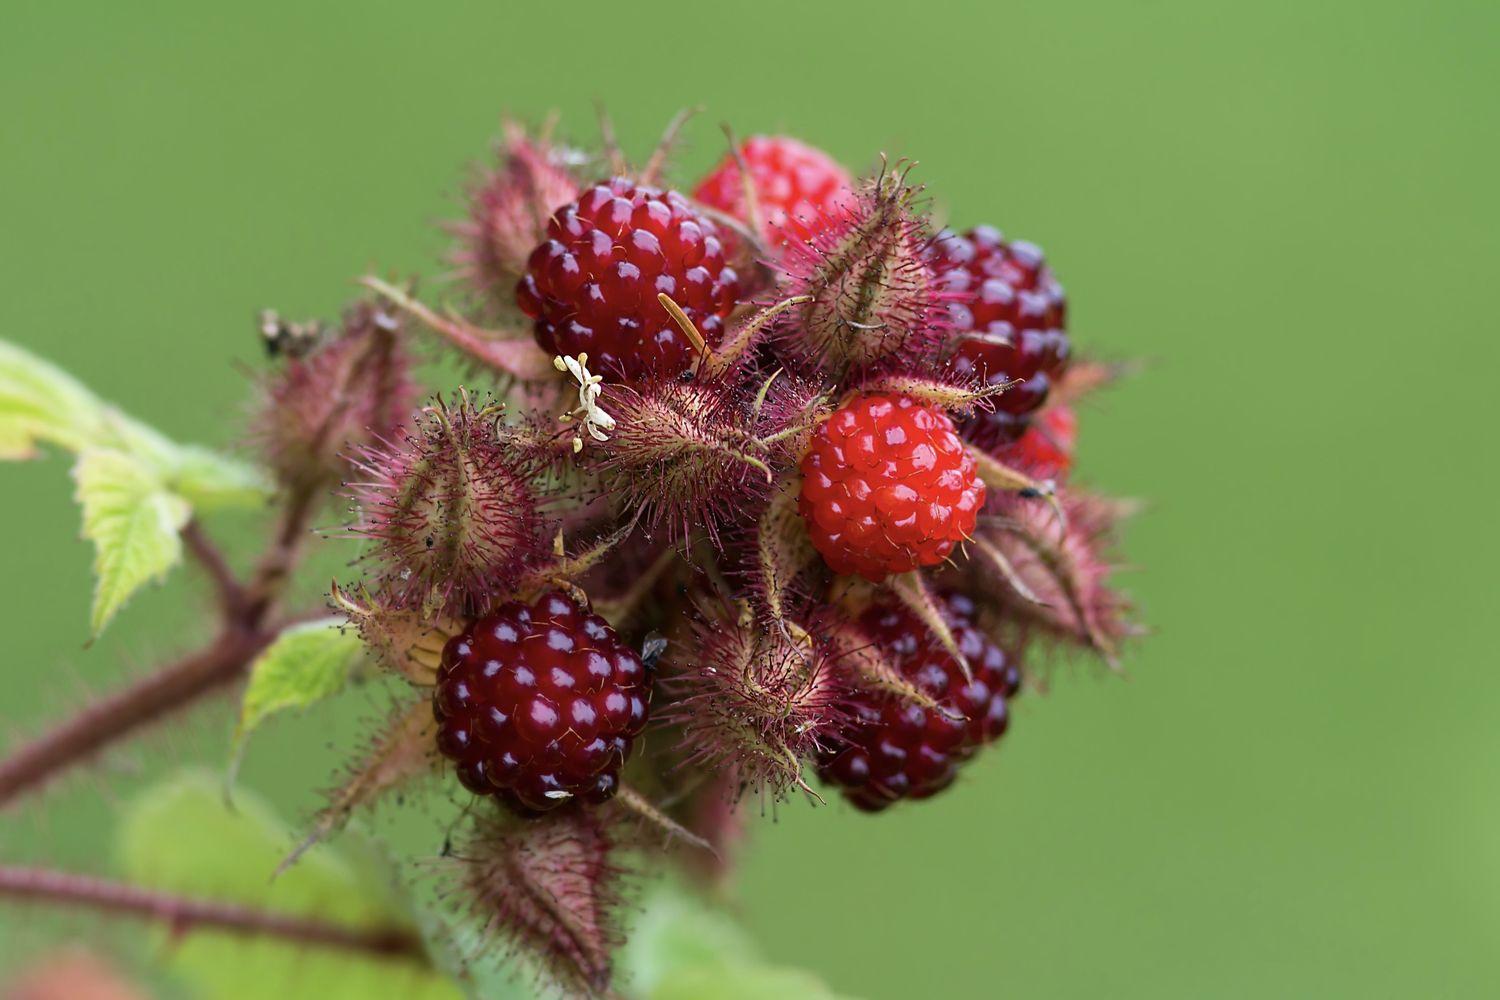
[592,286]
[795,186]
[894,749]
[537,705]
[887,486]
[1045,450]
[1013,326]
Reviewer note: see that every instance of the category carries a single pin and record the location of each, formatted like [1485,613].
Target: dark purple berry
[1013,324]
[538,704]
[895,749]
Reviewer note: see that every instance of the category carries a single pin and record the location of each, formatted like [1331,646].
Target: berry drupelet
[1011,326]
[796,186]
[887,486]
[592,286]
[538,704]
[1045,450]
[895,749]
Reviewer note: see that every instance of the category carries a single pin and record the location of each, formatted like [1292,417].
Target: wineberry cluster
[771,482]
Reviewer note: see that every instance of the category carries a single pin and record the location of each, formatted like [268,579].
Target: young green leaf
[39,402]
[675,930]
[137,487]
[210,481]
[133,521]
[181,837]
[305,664]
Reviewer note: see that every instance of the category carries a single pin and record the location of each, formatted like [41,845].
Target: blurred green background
[1289,209]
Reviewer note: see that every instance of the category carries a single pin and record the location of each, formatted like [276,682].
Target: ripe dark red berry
[796,186]
[887,486]
[1045,451]
[895,749]
[538,705]
[1012,326]
[592,286]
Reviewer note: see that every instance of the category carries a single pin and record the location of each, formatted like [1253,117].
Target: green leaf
[209,480]
[180,837]
[676,929]
[133,521]
[40,402]
[465,951]
[137,487]
[305,664]
[681,948]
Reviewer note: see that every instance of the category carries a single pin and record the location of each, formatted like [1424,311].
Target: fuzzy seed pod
[873,294]
[549,890]
[682,451]
[755,701]
[1057,576]
[452,510]
[508,212]
[332,394]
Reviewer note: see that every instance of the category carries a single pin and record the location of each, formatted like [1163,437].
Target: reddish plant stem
[183,914]
[231,594]
[116,716]
[281,558]
[246,609]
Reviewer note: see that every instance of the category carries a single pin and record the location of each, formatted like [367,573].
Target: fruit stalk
[102,723]
[243,634]
[184,913]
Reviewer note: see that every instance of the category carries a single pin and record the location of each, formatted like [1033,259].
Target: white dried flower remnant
[595,420]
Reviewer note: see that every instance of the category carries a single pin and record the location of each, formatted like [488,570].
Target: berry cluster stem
[118,715]
[183,914]
[246,610]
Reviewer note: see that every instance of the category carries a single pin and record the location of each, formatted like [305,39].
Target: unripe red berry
[887,486]
[797,188]
[538,704]
[592,287]
[1045,450]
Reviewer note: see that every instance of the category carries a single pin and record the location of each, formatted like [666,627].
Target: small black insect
[287,339]
[651,650]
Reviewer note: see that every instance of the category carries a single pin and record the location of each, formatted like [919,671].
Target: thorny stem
[232,598]
[244,632]
[183,914]
[518,358]
[104,722]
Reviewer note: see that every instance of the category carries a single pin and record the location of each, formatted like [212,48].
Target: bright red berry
[1012,326]
[887,486]
[895,749]
[538,704]
[796,186]
[592,286]
[1045,451]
